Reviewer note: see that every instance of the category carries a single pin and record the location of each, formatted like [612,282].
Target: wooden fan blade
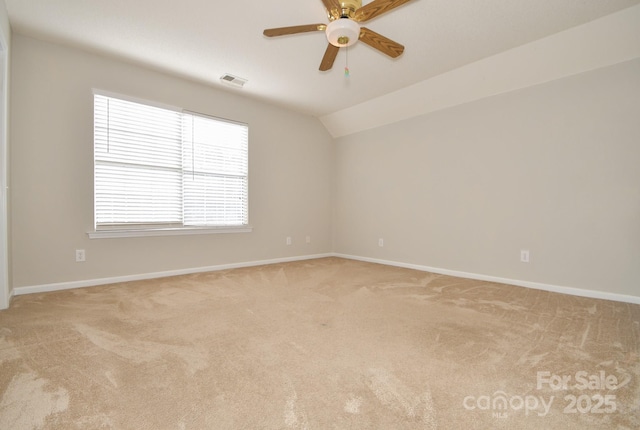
[381,43]
[282,31]
[329,57]
[377,8]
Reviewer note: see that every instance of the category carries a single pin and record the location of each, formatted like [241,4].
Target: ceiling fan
[343,28]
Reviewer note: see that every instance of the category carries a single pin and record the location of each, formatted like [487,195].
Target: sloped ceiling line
[604,42]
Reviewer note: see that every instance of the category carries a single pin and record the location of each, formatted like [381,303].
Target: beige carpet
[319,344]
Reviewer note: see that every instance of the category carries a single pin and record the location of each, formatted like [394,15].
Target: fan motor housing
[348,9]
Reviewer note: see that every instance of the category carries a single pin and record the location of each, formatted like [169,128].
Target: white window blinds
[156,166]
[215,171]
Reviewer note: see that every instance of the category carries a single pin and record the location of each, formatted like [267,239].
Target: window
[167,169]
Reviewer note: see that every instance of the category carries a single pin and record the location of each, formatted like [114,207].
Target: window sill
[171,231]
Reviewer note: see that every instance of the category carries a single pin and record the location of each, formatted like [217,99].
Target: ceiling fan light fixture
[342,32]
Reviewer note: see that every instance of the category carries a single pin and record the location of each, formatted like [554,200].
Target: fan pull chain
[346,65]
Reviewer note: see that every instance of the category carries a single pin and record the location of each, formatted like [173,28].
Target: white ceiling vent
[233,80]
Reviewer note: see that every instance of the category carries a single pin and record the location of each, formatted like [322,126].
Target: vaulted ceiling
[203,40]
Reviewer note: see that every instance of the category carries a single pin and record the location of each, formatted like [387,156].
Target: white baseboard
[535,285]
[116,279]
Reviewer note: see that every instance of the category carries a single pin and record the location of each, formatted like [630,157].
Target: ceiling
[203,40]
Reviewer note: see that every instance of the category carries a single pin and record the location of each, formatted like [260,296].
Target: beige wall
[553,169]
[291,158]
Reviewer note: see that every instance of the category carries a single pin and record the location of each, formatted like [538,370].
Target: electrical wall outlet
[380,242]
[308,239]
[524,255]
[288,240]
[80,255]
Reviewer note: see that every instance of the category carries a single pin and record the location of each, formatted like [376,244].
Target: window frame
[118,230]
